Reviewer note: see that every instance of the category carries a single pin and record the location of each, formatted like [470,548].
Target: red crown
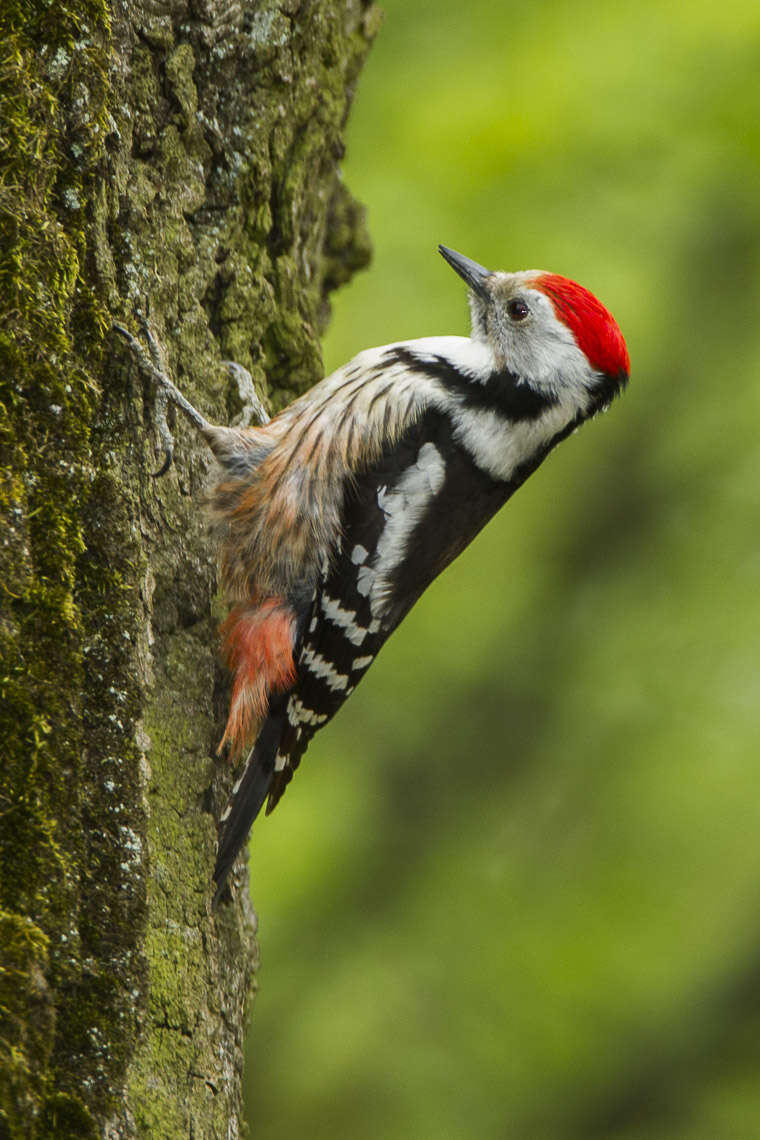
[594,327]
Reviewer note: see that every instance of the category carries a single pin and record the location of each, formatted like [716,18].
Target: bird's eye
[518,310]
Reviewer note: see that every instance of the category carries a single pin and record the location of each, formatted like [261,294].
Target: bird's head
[547,330]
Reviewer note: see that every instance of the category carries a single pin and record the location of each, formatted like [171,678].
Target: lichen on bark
[183,155]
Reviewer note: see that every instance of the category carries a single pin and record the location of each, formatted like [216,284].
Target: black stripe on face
[607,387]
[501,392]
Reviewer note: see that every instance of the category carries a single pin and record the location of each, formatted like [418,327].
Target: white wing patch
[403,506]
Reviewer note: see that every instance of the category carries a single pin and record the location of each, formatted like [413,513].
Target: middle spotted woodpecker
[335,516]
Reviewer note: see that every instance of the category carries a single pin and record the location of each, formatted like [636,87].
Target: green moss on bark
[194,164]
[52,105]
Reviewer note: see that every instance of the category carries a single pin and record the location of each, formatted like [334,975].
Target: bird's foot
[153,365]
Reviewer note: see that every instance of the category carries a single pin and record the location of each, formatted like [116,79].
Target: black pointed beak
[475,275]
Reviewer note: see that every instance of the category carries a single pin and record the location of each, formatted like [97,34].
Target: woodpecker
[336,515]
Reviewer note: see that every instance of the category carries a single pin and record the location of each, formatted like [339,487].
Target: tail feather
[248,795]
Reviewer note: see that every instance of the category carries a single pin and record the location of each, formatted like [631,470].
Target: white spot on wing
[343,619]
[359,554]
[320,667]
[365,580]
[299,714]
[362,662]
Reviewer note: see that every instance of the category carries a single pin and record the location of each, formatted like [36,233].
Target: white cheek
[544,352]
[499,447]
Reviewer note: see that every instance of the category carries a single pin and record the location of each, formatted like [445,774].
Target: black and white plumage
[336,515]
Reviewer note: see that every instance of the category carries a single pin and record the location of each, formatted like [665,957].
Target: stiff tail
[247,797]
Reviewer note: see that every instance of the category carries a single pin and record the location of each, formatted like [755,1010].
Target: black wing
[347,624]
[344,631]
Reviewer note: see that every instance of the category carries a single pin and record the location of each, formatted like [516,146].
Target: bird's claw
[164,432]
[151,363]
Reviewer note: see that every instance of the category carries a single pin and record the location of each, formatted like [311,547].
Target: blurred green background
[514,890]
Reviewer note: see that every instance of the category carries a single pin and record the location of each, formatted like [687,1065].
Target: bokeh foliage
[514,889]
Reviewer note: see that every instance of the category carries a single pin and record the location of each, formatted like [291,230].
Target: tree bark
[181,155]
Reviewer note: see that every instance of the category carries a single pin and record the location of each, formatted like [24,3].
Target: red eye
[518,310]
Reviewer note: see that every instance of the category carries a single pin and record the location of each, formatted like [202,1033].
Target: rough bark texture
[182,152]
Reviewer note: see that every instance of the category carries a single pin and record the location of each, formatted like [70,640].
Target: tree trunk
[183,156]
